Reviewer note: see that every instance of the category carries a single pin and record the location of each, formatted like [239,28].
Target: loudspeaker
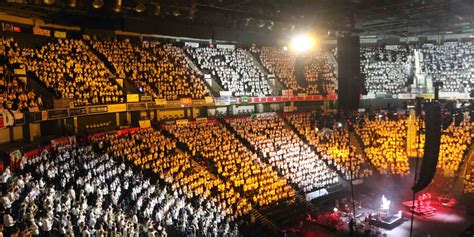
[300,72]
[351,83]
[432,143]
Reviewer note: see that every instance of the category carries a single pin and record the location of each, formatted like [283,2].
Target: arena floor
[446,222]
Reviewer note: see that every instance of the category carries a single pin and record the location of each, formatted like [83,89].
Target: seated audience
[233,69]
[469,179]
[386,69]
[74,191]
[150,150]
[333,144]
[67,67]
[160,70]
[455,143]
[319,69]
[320,72]
[285,151]
[450,63]
[13,92]
[385,144]
[229,158]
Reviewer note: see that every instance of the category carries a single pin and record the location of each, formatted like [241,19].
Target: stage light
[339,125]
[97,4]
[72,3]
[285,48]
[158,10]
[140,8]
[302,43]
[118,6]
[270,25]
[49,2]
[335,209]
[176,12]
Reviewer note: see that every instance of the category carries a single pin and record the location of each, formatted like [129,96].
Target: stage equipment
[432,143]
[97,4]
[350,82]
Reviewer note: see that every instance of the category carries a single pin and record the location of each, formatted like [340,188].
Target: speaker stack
[351,83]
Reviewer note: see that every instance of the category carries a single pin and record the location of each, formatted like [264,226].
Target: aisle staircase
[47,95]
[127,87]
[284,214]
[313,148]
[463,169]
[275,84]
[213,87]
[197,160]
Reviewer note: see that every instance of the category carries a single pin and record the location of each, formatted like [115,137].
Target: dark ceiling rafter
[371,16]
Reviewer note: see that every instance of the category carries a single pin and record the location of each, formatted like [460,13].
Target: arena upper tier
[85,72]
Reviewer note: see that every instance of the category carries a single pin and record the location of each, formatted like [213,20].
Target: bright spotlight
[302,43]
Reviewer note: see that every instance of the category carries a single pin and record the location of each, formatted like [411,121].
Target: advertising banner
[59,34]
[43,32]
[133,98]
[117,108]
[144,123]
[160,101]
[186,101]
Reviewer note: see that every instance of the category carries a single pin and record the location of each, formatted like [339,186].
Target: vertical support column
[129,118]
[26,129]
[117,120]
[76,127]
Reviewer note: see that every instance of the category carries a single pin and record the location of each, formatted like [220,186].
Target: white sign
[191,44]
[225,93]
[225,46]
[316,194]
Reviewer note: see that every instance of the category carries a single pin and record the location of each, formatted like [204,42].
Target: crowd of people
[450,63]
[319,70]
[469,179]
[233,69]
[386,69]
[160,70]
[456,139]
[150,150]
[73,191]
[332,143]
[85,190]
[281,63]
[236,164]
[13,92]
[285,151]
[385,144]
[67,67]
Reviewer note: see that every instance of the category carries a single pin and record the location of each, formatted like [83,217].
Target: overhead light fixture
[192,11]
[49,2]
[261,24]
[140,7]
[247,21]
[270,25]
[72,3]
[176,12]
[302,43]
[97,4]
[157,10]
[118,6]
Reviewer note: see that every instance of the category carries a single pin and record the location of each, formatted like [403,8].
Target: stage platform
[388,223]
[420,210]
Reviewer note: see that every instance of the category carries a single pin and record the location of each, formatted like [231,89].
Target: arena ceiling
[365,17]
